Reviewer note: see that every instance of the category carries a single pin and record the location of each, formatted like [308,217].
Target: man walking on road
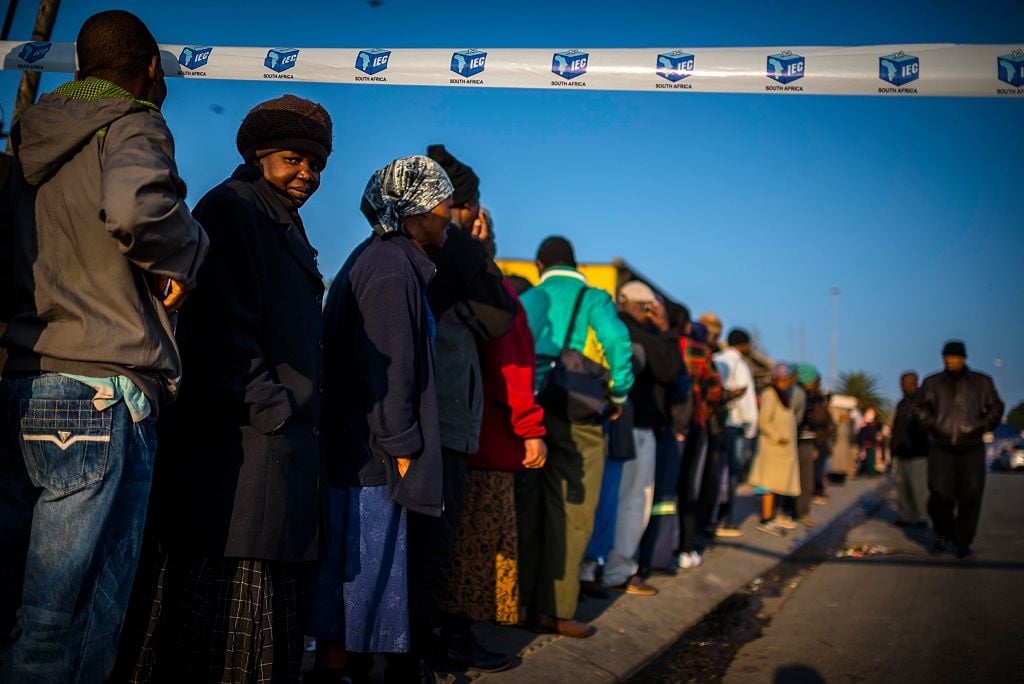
[910,447]
[957,406]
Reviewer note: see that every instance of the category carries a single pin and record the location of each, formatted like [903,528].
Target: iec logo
[1011,68]
[569,64]
[675,65]
[785,67]
[193,57]
[373,61]
[281,59]
[899,68]
[33,52]
[468,63]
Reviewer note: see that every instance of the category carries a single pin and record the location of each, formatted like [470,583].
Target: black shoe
[964,553]
[593,590]
[461,651]
[938,546]
[901,523]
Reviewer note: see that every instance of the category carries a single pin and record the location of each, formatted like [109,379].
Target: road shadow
[797,674]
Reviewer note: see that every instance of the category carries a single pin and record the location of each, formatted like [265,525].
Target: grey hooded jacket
[92,207]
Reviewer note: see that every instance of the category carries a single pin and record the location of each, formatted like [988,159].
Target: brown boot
[567,628]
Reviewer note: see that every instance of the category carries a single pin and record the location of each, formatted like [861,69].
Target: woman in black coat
[235,504]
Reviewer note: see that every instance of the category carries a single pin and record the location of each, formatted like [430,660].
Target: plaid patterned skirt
[220,620]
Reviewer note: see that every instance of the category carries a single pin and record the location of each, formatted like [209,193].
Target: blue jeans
[74,487]
[735,459]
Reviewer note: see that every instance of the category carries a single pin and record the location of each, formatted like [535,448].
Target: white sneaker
[696,559]
[685,562]
[784,522]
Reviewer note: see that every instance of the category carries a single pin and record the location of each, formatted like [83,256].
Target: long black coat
[238,464]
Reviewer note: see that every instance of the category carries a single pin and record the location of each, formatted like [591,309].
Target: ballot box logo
[569,64]
[786,66]
[194,57]
[1011,68]
[34,51]
[468,63]
[675,66]
[899,68]
[373,61]
[281,59]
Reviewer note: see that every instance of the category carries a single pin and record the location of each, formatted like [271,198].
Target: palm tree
[864,388]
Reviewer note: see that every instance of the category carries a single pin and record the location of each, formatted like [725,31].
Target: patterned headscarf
[405,187]
[781,370]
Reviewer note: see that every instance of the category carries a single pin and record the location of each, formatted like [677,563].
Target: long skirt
[483,583]
[360,592]
[216,620]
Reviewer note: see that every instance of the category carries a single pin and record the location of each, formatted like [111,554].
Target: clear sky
[752,205]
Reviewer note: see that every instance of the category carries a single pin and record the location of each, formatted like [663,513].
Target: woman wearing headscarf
[776,468]
[235,503]
[381,440]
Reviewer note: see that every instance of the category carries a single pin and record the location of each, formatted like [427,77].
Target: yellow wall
[602,276]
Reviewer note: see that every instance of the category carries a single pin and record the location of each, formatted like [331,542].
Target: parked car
[1010,456]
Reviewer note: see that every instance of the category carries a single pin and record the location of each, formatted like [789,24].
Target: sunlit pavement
[904,616]
[633,630]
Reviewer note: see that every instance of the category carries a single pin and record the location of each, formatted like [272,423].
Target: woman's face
[431,228]
[297,174]
[783,383]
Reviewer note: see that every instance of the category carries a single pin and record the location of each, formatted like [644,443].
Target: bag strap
[572,320]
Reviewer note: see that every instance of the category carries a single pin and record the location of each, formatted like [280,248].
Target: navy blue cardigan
[380,401]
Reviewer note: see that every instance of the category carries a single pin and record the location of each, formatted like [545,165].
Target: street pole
[1001,375]
[834,363]
[29,85]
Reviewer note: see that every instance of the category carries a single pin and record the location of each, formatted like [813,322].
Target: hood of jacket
[63,122]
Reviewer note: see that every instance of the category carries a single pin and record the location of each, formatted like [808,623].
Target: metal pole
[834,362]
[9,19]
[29,85]
[1000,370]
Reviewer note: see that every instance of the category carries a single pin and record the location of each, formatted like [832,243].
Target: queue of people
[380,469]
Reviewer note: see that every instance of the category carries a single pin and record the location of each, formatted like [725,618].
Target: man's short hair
[114,43]
[556,251]
[738,336]
[908,374]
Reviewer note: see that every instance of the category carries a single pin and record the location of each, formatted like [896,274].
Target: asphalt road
[902,616]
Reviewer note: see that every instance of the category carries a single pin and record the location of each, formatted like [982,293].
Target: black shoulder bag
[576,388]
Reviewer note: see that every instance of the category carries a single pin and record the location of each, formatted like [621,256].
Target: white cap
[635,291]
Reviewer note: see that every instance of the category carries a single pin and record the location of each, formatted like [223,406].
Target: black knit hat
[465,181]
[286,123]
[955,348]
[738,336]
[556,251]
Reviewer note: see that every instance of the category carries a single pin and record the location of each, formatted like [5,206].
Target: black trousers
[430,549]
[690,481]
[956,482]
[707,498]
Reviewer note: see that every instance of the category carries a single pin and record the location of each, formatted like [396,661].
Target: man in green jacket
[555,505]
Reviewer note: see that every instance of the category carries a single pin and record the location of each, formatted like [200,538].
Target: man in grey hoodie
[97,250]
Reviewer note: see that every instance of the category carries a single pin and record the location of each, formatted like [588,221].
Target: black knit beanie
[556,251]
[738,336]
[286,123]
[465,181]
[955,348]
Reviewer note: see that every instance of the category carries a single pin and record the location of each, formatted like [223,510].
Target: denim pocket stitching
[64,423]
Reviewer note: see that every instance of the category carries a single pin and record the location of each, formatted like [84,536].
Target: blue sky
[751,205]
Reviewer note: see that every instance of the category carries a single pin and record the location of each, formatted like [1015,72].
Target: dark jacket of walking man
[957,406]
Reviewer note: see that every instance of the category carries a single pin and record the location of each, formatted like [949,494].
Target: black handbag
[576,388]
